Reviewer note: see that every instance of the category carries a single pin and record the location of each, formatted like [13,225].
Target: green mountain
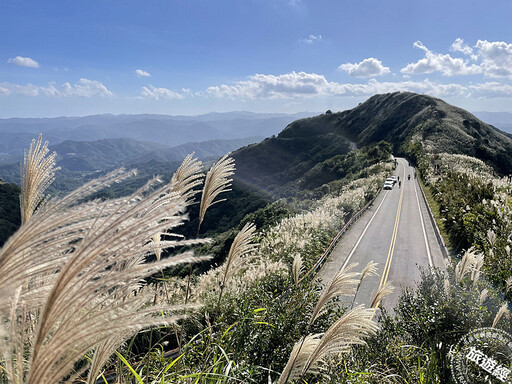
[410,122]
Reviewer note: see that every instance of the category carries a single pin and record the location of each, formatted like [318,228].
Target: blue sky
[189,57]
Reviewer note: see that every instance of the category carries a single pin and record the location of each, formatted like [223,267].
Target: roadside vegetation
[475,206]
[91,288]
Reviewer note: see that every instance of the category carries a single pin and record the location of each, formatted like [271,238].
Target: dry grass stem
[508,284]
[483,296]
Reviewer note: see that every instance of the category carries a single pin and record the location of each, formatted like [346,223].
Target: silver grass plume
[483,295]
[242,245]
[344,283]
[350,329]
[73,264]
[183,181]
[369,270]
[297,267]
[309,354]
[384,291]
[299,357]
[216,182]
[188,176]
[37,174]
[491,237]
[471,263]
[478,263]
[502,311]
[508,284]
[446,286]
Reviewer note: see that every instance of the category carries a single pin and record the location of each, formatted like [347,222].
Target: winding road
[395,232]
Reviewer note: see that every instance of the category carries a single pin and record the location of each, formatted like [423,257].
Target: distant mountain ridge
[109,153]
[501,120]
[172,131]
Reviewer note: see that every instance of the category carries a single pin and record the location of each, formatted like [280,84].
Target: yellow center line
[387,267]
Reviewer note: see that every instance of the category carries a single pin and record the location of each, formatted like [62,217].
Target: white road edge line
[430,262]
[362,234]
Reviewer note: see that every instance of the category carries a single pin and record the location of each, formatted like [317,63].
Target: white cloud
[24,62]
[496,58]
[141,73]
[459,46]
[303,85]
[366,68]
[271,86]
[312,39]
[84,88]
[490,89]
[436,62]
[152,92]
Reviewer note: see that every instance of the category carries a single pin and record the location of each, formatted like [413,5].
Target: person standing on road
[399,184]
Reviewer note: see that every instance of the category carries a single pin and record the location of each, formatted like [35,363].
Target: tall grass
[72,276]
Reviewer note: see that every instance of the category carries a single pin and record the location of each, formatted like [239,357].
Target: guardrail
[320,262]
[440,240]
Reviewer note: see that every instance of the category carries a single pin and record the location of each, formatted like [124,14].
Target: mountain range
[501,120]
[165,130]
[309,154]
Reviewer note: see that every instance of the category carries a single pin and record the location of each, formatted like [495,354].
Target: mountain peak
[409,120]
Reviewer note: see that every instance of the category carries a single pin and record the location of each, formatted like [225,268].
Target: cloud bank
[83,88]
[493,59]
[302,84]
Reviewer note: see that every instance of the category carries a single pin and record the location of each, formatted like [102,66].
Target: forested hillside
[10,218]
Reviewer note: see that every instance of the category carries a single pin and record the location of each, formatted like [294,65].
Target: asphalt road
[396,233]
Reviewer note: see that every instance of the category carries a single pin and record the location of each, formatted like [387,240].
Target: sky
[187,57]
